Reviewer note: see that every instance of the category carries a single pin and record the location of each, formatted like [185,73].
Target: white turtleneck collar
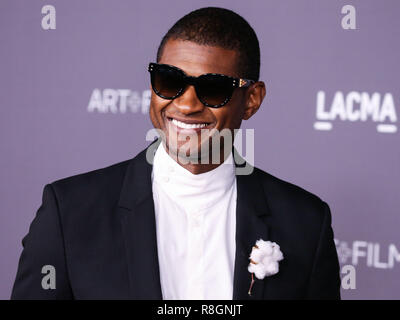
[196,191]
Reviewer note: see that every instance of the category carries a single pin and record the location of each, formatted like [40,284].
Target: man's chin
[197,155]
[186,153]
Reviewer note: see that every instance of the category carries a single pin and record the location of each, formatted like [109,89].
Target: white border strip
[386,128]
[324,126]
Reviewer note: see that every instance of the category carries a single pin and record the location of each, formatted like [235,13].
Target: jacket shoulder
[285,186]
[284,196]
[114,172]
[98,185]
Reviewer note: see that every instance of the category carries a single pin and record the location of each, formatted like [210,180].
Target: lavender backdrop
[50,130]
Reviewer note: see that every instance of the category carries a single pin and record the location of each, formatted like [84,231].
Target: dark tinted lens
[166,81]
[214,89]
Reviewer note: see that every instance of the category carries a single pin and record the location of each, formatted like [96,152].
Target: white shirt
[196,227]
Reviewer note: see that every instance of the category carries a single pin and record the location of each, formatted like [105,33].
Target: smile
[185,125]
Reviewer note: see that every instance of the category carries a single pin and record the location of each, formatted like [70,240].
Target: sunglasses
[213,90]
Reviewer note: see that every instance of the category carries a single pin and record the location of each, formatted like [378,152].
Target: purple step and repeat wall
[74,94]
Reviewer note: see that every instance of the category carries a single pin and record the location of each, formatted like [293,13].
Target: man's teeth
[188,125]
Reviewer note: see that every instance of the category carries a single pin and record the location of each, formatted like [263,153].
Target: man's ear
[254,97]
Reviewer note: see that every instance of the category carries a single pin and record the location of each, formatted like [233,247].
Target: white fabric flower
[264,259]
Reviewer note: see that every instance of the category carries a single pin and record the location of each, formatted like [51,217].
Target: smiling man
[196,89]
[172,223]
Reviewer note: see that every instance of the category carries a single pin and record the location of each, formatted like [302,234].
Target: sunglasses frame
[189,80]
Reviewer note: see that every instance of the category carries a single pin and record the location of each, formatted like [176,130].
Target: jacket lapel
[136,211]
[251,212]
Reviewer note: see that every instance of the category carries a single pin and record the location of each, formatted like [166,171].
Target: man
[171,224]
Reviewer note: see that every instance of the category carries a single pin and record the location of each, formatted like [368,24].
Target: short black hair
[222,28]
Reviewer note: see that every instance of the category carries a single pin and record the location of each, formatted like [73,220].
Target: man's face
[168,115]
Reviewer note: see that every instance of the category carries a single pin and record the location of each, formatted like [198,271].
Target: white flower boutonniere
[264,259]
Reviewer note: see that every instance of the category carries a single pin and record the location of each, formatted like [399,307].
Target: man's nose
[188,102]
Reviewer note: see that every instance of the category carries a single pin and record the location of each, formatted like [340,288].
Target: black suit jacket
[98,230]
